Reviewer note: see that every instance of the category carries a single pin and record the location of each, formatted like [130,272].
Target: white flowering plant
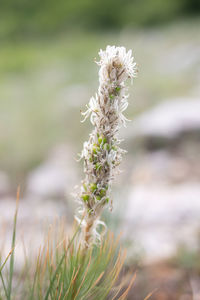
[87,268]
[102,154]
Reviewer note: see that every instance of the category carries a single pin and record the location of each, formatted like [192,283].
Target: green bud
[93,187]
[111,96]
[102,193]
[95,149]
[100,140]
[98,198]
[98,166]
[104,140]
[94,159]
[114,148]
[85,198]
[118,88]
[107,200]
[106,147]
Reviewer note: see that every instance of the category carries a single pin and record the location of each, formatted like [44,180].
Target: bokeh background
[48,74]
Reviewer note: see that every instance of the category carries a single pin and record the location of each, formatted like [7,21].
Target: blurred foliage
[25,17]
[46,81]
[187,257]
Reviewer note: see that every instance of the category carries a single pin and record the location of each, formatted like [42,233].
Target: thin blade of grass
[124,295]
[150,294]
[35,277]
[86,271]
[13,246]
[119,289]
[59,298]
[98,279]
[4,286]
[71,281]
[60,264]
[1,268]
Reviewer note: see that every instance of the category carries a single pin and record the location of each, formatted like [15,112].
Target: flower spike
[101,153]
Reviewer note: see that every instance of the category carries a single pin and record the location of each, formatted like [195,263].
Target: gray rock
[168,119]
[160,216]
[56,176]
[164,167]
[34,219]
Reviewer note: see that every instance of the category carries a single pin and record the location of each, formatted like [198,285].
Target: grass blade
[13,246]
[5,261]
[4,286]
[60,264]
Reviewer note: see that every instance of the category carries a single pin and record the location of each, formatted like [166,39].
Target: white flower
[102,154]
[114,58]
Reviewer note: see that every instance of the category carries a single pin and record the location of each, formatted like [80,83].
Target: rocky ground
[164,183]
[160,198]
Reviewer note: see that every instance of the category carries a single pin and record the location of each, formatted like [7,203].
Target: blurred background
[48,74]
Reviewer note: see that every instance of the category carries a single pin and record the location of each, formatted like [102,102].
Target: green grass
[7,287]
[63,269]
